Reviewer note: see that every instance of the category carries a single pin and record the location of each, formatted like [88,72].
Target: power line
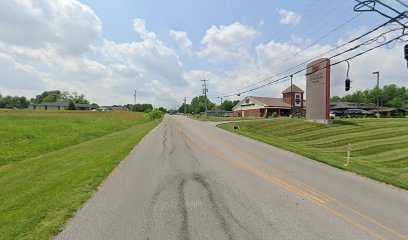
[307,47]
[301,70]
[402,3]
[318,20]
[333,49]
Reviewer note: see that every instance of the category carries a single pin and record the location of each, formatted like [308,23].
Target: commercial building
[252,106]
[58,106]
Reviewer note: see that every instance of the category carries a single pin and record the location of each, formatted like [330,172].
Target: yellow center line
[324,196]
[319,200]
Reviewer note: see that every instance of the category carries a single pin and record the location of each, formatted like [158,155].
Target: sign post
[318,91]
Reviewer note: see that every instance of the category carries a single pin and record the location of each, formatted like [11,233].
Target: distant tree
[78,98]
[13,101]
[58,96]
[47,96]
[145,107]
[71,105]
[188,108]
[95,105]
[198,104]
[390,96]
[227,105]
[163,109]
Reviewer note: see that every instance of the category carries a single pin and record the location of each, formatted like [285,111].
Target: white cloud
[288,17]
[57,44]
[227,42]
[182,40]
[47,45]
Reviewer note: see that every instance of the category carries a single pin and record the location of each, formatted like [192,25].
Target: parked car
[336,114]
[358,113]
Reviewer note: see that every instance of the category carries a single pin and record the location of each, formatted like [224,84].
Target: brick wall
[247,113]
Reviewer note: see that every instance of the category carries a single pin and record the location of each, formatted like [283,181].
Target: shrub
[155,114]
[71,105]
[274,115]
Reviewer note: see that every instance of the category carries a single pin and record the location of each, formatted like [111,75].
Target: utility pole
[378,91]
[185,105]
[205,90]
[135,96]
[291,96]
[221,100]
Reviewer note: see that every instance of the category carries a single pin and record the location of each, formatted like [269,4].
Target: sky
[162,49]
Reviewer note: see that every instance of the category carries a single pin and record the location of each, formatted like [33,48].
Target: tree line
[44,97]
[197,105]
[389,96]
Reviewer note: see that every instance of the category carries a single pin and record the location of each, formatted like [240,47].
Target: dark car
[336,114]
[358,113]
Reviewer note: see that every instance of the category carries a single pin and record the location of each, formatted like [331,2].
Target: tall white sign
[318,91]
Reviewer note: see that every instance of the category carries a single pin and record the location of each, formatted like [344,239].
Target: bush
[274,115]
[71,105]
[155,114]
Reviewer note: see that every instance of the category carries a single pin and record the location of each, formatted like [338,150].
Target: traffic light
[406,52]
[348,84]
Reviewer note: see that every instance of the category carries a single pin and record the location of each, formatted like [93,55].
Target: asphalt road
[190,180]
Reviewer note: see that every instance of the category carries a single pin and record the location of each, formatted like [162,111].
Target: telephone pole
[135,96]
[185,105]
[378,91]
[291,96]
[205,90]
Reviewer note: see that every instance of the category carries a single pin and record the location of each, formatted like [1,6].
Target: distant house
[343,106]
[118,108]
[253,106]
[389,112]
[58,106]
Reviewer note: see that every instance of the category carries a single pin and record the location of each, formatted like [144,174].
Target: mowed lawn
[379,146]
[52,162]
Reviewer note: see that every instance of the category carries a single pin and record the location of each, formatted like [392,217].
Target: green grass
[379,146]
[221,119]
[51,163]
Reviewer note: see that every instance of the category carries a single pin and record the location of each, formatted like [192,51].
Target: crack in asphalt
[177,184]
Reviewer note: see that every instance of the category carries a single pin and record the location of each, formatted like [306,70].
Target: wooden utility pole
[205,90]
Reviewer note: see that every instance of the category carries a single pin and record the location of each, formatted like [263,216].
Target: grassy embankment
[52,162]
[379,146]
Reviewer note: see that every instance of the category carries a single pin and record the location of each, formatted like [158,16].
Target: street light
[378,90]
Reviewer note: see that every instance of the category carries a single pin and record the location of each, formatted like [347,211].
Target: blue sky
[106,49]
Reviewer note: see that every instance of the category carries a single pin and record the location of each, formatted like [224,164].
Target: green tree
[389,95]
[13,101]
[198,104]
[162,109]
[188,108]
[145,107]
[78,98]
[47,96]
[71,105]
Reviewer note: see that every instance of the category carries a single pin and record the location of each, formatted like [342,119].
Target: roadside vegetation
[52,162]
[379,146]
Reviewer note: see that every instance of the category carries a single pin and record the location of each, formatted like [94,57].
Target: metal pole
[205,90]
[291,96]
[378,91]
[185,106]
[135,96]
[349,148]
